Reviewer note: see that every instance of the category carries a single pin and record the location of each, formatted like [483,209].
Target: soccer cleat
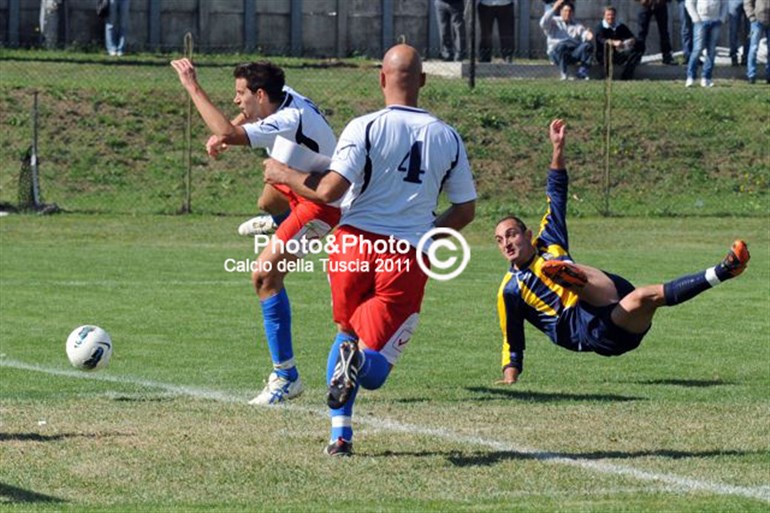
[340,447]
[260,225]
[345,375]
[278,390]
[566,274]
[737,258]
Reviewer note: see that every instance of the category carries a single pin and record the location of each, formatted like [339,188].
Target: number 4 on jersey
[414,156]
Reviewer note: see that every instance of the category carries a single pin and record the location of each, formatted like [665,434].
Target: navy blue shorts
[597,332]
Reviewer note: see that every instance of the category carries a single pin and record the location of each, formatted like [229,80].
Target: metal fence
[111,134]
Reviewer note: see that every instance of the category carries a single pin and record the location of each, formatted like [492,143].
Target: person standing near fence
[657,9]
[451,24]
[270,109]
[707,18]
[758,13]
[491,12]
[685,31]
[580,308]
[391,166]
[116,27]
[739,32]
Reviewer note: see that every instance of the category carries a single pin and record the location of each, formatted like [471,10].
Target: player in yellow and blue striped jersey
[578,307]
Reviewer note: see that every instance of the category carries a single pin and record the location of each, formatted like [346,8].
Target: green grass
[112,136]
[166,427]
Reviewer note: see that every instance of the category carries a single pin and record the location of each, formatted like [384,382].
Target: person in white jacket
[707,18]
[569,42]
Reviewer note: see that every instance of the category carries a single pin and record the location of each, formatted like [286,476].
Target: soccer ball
[89,348]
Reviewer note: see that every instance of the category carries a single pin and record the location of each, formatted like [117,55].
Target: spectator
[707,18]
[502,12]
[758,13]
[116,27]
[617,39]
[685,24]
[569,42]
[739,23]
[659,10]
[451,25]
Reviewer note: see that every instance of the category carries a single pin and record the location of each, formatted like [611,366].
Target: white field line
[669,481]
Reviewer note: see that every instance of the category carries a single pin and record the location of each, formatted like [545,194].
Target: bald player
[389,168]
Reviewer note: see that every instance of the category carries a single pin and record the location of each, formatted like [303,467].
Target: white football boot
[260,225]
[278,390]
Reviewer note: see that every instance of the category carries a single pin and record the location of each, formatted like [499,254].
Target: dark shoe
[734,60]
[345,377]
[566,274]
[582,73]
[737,259]
[668,60]
[339,448]
[752,80]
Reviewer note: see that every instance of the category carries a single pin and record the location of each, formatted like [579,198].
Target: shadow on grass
[491,394]
[691,383]
[37,437]
[10,493]
[491,458]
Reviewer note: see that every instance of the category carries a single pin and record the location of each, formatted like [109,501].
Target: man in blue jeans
[707,18]
[685,23]
[569,42]
[758,13]
[739,26]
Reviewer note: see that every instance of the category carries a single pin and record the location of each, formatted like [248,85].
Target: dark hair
[519,222]
[565,4]
[610,8]
[262,75]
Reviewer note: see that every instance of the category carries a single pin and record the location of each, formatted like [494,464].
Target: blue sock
[374,371]
[340,417]
[686,287]
[279,218]
[276,314]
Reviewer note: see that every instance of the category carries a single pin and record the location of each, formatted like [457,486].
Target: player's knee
[266,280]
[649,297]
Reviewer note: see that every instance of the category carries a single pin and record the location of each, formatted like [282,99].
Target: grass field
[682,424]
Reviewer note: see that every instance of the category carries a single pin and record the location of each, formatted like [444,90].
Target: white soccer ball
[89,348]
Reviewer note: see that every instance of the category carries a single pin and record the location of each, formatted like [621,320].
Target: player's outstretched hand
[557,132]
[215,146]
[275,172]
[186,72]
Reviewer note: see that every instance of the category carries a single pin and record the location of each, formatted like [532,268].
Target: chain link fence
[111,134]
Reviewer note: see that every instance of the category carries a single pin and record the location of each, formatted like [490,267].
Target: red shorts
[303,211]
[376,294]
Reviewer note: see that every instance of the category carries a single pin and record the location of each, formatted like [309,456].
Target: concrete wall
[313,28]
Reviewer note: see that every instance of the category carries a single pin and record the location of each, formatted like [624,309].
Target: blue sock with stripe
[340,417]
[374,371]
[687,287]
[276,315]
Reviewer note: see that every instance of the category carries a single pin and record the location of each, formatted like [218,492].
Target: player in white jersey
[269,109]
[390,166]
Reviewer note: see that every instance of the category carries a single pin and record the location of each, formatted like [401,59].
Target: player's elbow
[465,213]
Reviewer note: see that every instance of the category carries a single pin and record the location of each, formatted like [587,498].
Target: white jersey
[398,160]
[298,120]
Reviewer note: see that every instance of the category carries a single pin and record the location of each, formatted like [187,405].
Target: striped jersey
[527,295]
[398,160]
[298,120]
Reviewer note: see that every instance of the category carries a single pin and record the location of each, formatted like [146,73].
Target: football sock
[279,218]
[276,315]
[687,287]
[375,370]
[340,417]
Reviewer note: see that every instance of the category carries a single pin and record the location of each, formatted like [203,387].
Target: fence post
[153,23]
[187,206]
[472,53]
[296,28]
[249,26]
[387,25]
[608,70]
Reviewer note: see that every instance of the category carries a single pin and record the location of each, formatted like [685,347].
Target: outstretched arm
[558,138]
[215,120]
